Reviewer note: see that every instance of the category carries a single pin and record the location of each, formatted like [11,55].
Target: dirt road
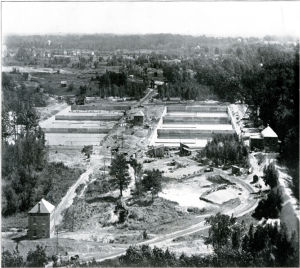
[241,210]
[68,198]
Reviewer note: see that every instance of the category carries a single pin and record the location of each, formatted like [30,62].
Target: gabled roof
[45,207]
[269,132]
[139,113]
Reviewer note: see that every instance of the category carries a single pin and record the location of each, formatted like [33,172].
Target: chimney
[39,207]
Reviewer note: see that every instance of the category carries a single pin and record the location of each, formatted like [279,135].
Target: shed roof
[139,113]
[269,132]
[45,207]
[159,83]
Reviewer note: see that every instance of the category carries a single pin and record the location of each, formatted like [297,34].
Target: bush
[70,87]
[79,188]
[99,187]
[225,148]
[270,207]
[270,175]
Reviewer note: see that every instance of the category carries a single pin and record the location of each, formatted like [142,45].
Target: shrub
[270,175]
[79,188]
[270,207]
[225,148]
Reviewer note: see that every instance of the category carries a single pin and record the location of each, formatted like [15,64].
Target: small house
[235,169]
[266,140]
[157,151]
[270,139]
[63,83]
[158,84]
[41,220]
[138,117]
[188,149]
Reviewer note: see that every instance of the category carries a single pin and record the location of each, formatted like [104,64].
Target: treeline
[116,84]
[27,176]
[225,149]
[233,244]
[112,42]
[18,106]
[34,258]
[264,77]
[271,205]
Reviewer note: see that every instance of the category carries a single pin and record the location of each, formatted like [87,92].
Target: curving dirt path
[240,210]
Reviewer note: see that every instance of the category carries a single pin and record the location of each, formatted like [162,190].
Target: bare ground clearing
[160,233]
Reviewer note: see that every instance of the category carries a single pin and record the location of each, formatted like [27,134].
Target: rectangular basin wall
[76,130]
[101,107]
[195,120]
[113,117]
[188,133]
[198,109]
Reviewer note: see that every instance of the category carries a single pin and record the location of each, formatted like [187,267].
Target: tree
[138,172]
[270,175]
[119,169]
[270,207]
[6,124]
[152,182]
[37,258]
[69,217]
[71,87]
[87,150]
[220,230]
[12,259]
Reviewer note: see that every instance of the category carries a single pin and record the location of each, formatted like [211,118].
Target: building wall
[40,225]
[271,144]
[256,143]
[138,119]
[159,152]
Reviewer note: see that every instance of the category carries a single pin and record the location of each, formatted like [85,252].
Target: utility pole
[56,227]
[57,240]
[104,169]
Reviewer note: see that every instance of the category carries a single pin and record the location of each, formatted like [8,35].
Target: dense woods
[225,149]
[234,245]
[27,176]
[116,84]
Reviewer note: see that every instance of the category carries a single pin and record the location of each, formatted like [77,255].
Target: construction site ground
[166,221]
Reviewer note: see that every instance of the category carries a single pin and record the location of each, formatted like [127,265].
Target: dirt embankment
[53,107]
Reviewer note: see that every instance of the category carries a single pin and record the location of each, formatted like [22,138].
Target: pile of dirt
[141,133]
[98,187]
[64,245]
[149,216]
[97,213]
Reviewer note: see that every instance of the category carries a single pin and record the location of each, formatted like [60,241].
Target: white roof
[45,207]
[158,83]
[269,132]
[139,113]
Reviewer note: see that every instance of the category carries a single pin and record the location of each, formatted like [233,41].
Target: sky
[190,18]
